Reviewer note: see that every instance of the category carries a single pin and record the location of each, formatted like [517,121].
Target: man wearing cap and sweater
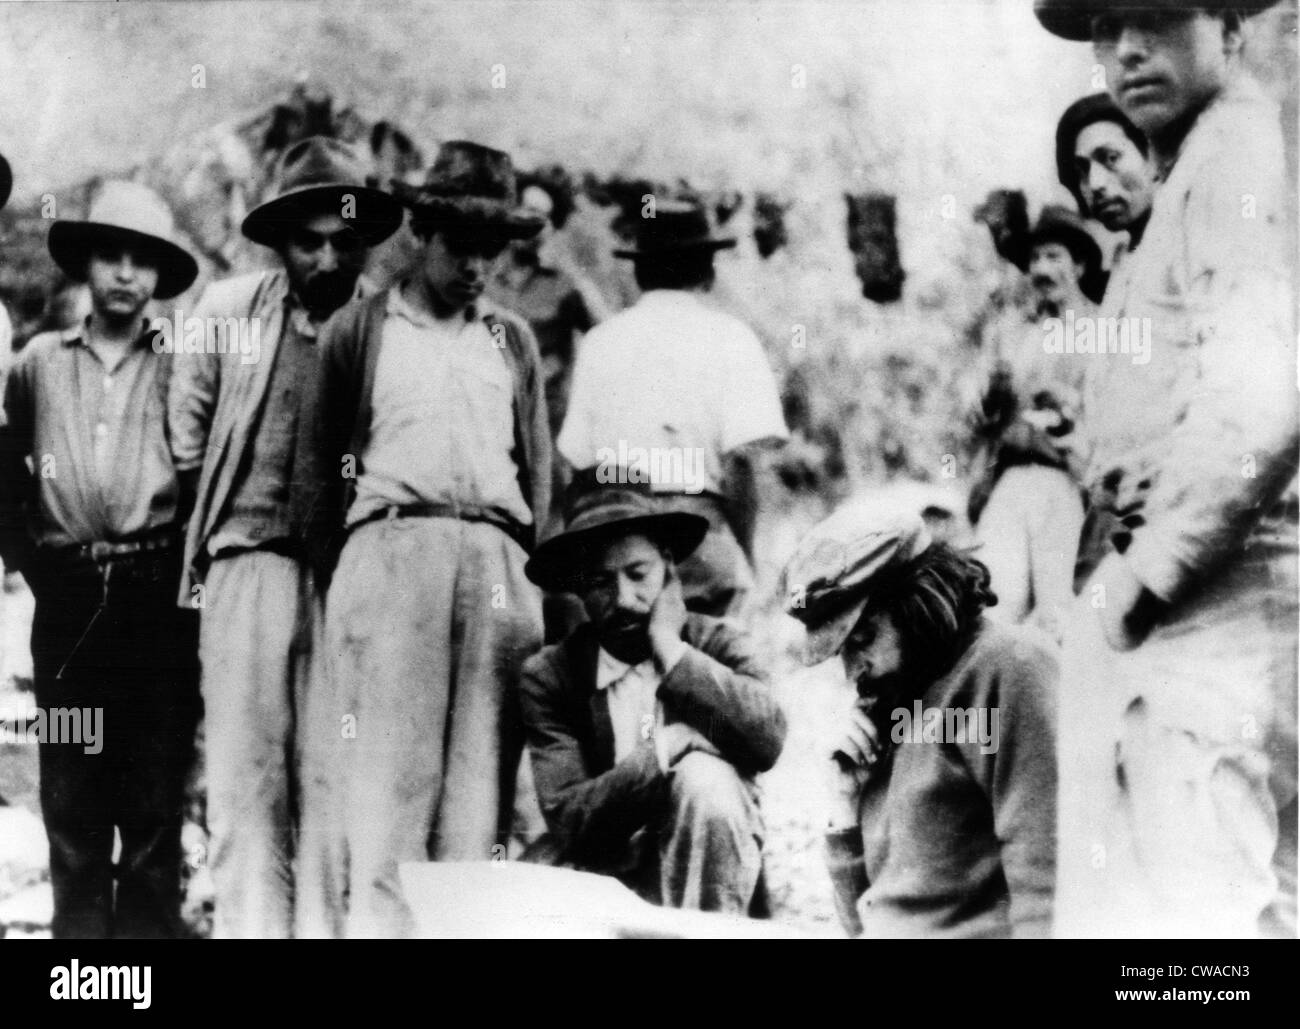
[1025,503]
[240,443]
[682,392]
[647,724]
[90,517]
[942,770]
[433,420]
[1178,745]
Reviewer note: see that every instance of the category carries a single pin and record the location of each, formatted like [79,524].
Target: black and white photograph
[559,469]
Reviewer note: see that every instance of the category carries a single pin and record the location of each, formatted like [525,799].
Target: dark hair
[1077,117]
[685,269]
[935,601]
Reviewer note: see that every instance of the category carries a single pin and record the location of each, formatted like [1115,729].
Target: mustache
[328,286]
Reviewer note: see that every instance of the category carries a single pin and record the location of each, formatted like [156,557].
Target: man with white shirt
[647,725]
[682,394]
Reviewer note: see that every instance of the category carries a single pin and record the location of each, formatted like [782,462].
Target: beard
[327,291]
[627,637]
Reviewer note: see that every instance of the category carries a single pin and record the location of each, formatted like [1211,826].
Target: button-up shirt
[443,418]
[634,709]
[101,468]
[667,376]
[1191,446]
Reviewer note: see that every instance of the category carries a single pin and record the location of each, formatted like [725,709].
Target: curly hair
[935,601]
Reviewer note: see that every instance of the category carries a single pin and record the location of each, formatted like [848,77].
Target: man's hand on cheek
[667,619]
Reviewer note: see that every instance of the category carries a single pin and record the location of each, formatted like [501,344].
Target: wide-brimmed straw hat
[677,226]
[126,212]
[473,185]
[1072,19]
[321,173]
[597,513]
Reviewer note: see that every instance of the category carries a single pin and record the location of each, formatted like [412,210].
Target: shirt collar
[610,670]
[75,335]
[399,306]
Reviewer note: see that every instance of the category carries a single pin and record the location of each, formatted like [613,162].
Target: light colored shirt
[673,376]
[443,421]
[96,438]
[634,709]
[1192,445]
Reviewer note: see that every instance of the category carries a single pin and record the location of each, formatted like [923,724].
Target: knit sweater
[957,832]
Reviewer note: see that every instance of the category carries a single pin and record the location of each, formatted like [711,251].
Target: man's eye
[1105,28]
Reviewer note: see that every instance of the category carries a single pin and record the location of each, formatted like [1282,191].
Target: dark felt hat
[1072,19]
[1057,224]
[596,513]
[473,185]
[1078,116]
[6,181]
[674,226]
[126,212]
[322,173]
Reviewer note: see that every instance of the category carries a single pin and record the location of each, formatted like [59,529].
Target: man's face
[619,590]
[873,654]
[1054,272]
[122,279]
[324,257]
[1116,181]
[538,201]
[457,263]
[1162,67]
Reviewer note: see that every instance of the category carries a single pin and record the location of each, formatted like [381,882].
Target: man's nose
[627,596]
[1133,44]
[125,268]
[1099,179]
[327,258]
[475,264]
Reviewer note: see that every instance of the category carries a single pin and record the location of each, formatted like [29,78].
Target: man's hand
[677,739]
[1128,609]
[667,619]
[852,757]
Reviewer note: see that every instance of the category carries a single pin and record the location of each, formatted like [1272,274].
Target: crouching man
[647,725]
[943,769]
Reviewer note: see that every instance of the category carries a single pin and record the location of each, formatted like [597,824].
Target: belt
[104,551]
[465,512]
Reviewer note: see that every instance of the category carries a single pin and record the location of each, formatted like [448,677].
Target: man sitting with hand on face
[647,724]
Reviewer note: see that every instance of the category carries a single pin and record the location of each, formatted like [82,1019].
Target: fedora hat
[471,184]
[126,212]
[322,173]
[676,226]
[602,511]
[1057,224]
[1072,19]
[827,583]
[6,181]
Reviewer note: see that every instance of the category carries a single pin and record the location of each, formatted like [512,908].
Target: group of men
[326,540]
[336,553]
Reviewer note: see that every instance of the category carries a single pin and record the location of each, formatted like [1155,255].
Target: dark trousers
[138,665]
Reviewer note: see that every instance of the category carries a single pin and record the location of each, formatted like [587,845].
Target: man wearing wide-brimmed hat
[1178,702]
[239,435]
[647,724]
[94,527]
[681,391]
[434,414]
[1025,502]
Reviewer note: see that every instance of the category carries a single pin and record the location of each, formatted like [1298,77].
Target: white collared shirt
[634,710]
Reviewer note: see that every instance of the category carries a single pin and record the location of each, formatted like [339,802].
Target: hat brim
[688,246]
[71,244]
[1067,236]
[377,216]
[512,221]
[827,639]
[1072,19]
[557,563]
[6,181]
